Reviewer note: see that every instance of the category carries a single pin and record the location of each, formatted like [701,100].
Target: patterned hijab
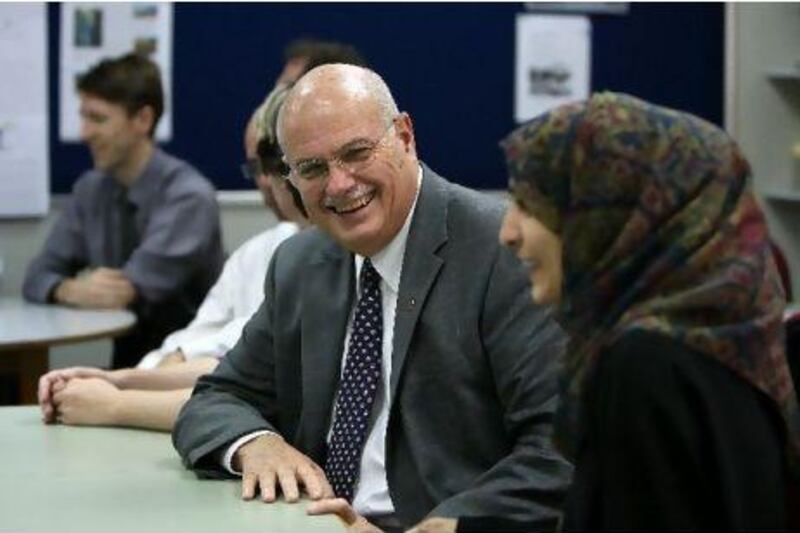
[660,232]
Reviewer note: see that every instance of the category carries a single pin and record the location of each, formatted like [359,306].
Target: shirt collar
[142,187]
[389,261]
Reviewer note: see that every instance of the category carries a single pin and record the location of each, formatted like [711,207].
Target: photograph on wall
[91,32]
[88,27]
[145,10]
[552,62]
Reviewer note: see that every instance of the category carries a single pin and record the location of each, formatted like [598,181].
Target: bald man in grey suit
[460,421]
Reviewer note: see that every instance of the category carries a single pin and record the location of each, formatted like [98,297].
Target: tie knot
[122,200]
[369,276]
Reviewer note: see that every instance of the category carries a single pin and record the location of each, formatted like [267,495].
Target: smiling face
[113,136]
[539,249]
[337,118]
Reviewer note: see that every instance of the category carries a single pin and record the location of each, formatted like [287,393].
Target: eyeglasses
[353,158]
[251,169]
[271,158]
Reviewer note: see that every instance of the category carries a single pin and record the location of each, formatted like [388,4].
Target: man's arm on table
[96,402]
[175,377]
[237,400]
[63,255]
[51,276]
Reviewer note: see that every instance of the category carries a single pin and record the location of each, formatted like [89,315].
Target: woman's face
[539,249]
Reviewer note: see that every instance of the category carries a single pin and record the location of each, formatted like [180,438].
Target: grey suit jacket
[473,367]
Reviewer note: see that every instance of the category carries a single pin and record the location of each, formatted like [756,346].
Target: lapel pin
[407,304]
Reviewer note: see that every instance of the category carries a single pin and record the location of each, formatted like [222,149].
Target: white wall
[764,115]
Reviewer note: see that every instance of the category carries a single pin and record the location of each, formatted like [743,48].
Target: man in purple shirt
[141,230]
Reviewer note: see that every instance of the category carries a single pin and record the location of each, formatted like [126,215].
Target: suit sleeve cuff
[42,289]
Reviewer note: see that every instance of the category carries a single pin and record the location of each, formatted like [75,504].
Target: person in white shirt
[151,395]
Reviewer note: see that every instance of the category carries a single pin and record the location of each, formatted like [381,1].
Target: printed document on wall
[94,31]
[553,62]
[24,152]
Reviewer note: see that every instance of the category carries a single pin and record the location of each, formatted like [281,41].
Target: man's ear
[144,119]
[405,130]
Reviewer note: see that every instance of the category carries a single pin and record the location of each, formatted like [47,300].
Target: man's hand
[354,522]
[172,358]
[269,462]
[103,288]
[435,525]
[48,383]
[86,402]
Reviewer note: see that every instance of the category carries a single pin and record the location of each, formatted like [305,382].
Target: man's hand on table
[103,288]
[354,522]
[269,463]
[85,402]
[48,383]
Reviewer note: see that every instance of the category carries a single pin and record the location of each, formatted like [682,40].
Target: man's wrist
[121,378]
[231,461]
[116,408]
[63,291]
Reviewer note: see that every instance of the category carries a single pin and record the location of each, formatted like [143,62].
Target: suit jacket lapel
[421,265]
[327,299]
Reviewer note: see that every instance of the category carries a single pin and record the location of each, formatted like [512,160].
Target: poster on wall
[93,31]
[553,55]
[24,151]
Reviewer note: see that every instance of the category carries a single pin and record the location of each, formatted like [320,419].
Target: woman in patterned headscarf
[638,224]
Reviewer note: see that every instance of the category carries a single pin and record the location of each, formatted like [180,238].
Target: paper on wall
[93,31]
[24,148]
[553,55]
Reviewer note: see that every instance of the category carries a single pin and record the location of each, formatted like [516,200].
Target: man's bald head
[351,155]
[331,88]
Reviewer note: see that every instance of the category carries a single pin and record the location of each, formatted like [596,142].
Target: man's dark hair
[322,53]
[270,158]
[132,81]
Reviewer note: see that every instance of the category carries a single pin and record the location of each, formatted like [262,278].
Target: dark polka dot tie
[358,388]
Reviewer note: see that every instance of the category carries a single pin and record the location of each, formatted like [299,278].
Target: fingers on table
[313,479]
[289,479]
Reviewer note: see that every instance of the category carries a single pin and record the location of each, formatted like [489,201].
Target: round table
[28,330]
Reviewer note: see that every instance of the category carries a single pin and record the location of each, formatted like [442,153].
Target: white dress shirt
[371,495]
[229,304]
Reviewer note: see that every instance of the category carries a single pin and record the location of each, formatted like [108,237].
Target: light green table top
[26,324]
[59,478]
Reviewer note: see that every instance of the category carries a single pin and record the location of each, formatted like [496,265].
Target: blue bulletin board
[449,65]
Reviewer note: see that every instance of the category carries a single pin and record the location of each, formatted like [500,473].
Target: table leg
[26,365]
